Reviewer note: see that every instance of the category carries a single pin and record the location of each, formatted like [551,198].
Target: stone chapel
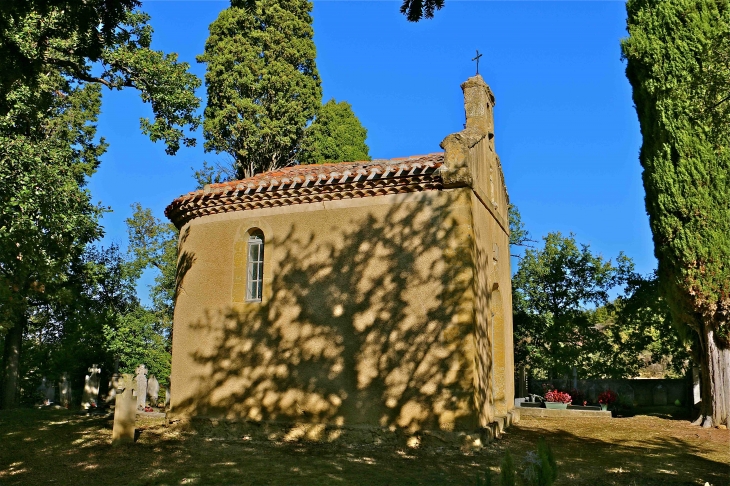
[361,294]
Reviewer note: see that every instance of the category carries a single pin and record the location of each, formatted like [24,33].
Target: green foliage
[64,330]
[133,339]
[262,83]
[548,471]
[553,289]
[415,10]
[96,42]
[487,479]
[153,244]
[336,135]
[54,57]
[639,331]
[518,235]
[46,215]
[540,467]
[678,57]
[507,476]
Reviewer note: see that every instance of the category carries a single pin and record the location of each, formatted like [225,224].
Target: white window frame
[255,267]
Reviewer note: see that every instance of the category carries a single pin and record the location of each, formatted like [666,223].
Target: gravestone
[90,397]
[111,397]
[659,395]
[141,386]
[41,390]
[522,390]
[125,409]
[167,397]
[153,390]
[64,391]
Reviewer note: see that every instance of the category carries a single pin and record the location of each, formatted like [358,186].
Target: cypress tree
[678,55]
[336,135]
[262,83]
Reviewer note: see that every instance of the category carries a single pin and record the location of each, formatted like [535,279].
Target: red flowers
[556,396]
[607,397]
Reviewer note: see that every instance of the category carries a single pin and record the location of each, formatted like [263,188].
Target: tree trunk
[714,381]
[10,366]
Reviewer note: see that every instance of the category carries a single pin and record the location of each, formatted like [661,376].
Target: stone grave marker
[153,390]
[141,387]
[64,391]
[167,397]
[125,409]
[90,397]
[41,390]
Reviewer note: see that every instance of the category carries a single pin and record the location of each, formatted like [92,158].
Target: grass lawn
[61,447]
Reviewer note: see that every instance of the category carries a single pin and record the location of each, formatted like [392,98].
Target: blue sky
[565,127]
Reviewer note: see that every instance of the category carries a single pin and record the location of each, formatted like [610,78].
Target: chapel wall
[366,318]
[471,161]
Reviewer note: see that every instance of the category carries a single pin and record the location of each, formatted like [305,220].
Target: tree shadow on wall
[368,324]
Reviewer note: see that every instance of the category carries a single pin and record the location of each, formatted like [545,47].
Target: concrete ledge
[547,412]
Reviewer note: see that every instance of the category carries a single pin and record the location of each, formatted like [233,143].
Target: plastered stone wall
[366,316]
[471,161]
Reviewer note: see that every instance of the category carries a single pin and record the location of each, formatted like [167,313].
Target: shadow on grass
[42,446]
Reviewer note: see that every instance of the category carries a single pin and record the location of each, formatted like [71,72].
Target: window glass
[254,284]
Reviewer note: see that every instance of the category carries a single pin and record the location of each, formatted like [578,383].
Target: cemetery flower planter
[604,406]
[556,405]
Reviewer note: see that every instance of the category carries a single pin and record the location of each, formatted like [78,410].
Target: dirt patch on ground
[60,447]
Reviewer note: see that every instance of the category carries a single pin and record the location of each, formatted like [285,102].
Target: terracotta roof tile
[317,178]
[300,173]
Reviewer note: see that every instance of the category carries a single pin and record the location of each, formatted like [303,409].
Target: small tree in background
[262,83]
[554,286]
[336,135]
[678,55]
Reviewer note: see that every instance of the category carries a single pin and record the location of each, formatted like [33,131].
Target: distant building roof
[310,183]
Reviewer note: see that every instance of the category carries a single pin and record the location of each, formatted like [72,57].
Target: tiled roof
[304,180]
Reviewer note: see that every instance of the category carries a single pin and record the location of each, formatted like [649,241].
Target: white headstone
[64,391]
[141,379]
[153,390]
[90,397]
[42,390]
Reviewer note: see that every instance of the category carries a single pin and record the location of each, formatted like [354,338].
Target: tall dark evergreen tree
[262,82]
[678,55]
[336,135]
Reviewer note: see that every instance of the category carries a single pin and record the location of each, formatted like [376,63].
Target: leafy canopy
[262,83]
[336,135]
[46,215]
[553,288]
[103,42]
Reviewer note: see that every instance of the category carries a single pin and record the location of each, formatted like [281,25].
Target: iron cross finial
[477,60]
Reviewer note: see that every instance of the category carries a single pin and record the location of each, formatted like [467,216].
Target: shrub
[507,474]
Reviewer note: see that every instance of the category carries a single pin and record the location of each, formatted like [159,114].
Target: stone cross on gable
[94,369]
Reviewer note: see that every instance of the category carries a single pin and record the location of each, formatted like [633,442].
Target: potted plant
[607,398]
[556,399]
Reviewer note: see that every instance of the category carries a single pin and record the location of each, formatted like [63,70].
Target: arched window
[255,274]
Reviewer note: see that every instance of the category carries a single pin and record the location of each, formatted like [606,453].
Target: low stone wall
[325,433]
[633,392]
